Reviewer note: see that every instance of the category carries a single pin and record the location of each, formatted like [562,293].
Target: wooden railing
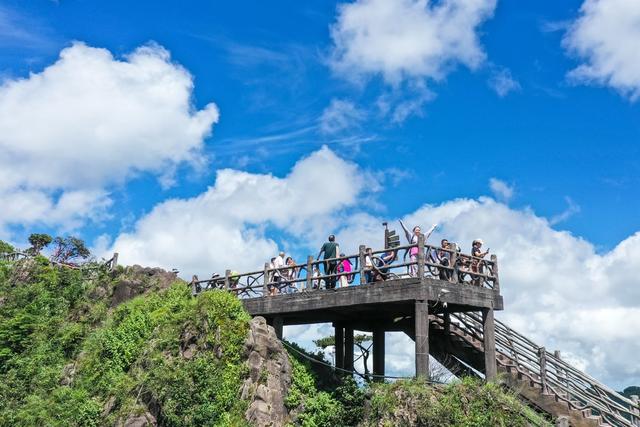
[110,264]
[13,256]
[431,262]
[552,374]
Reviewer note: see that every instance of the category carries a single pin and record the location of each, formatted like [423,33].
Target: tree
[360,341]
[5,248]
[437,372]
[38,242]
[633,390]
[68,249]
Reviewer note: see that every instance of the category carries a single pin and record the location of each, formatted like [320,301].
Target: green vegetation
[319,399]
[67,360]
[6,248]
[39,242]
[465,403]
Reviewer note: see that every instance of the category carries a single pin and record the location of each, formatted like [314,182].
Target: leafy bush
[312,408]
[6,248]
[466,403]
[125,358]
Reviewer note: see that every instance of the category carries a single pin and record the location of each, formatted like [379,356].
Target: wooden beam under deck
[382,301]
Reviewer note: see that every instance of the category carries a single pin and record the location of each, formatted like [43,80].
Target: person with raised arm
[412,239]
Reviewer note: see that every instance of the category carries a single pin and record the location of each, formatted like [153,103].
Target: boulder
[137,280]
[269,376]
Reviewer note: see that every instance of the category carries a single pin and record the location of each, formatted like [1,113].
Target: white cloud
[407,42]
[606,36]
[340,115]
[408,38]
[503,83]
[224,227]
[501,189]
[90,121]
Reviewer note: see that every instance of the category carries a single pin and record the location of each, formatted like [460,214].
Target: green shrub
[465,403]
[130,355]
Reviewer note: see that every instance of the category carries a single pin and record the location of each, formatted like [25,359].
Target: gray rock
[269,376]
[143,420]
[137,280]
[68,373]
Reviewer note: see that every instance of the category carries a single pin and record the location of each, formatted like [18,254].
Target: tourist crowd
[338,271]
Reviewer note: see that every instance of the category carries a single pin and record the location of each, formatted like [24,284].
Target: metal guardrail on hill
[432,262]
[552,374]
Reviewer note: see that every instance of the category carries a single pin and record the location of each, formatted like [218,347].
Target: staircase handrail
[589,393]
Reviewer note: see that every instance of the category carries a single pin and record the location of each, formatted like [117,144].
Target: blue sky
[264,65]
[491,98]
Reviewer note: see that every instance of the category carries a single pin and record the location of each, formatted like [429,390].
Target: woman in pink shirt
[344,267]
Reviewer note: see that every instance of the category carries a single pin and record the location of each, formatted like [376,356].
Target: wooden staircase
[543,380]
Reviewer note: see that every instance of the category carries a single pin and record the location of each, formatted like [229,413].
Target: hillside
[132,347]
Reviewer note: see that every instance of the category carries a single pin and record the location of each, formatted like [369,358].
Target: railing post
[421,257]
[496,283]
[453,263]
[194,285]
[362,256]
[421,338]
[309,284]
[489,338]
[265,282]
[636,411]
[227,273]
[542,356]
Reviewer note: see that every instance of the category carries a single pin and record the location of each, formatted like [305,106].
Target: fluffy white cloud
[606,36]
[90,121]
[340,115]
[501,189]
[408,38]
[558,289]
[224,227]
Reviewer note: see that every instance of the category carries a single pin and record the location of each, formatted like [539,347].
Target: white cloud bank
[558,289]
[606,36]
[90,121]
[224,227]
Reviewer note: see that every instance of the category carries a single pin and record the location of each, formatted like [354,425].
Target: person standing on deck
[412,238]
[344,266]
[330,250]
[477,266]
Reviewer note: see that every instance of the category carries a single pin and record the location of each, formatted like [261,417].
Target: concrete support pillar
[421,319]
[348,348]
[278,325]
[339,345]
[489,331]
[378,353]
